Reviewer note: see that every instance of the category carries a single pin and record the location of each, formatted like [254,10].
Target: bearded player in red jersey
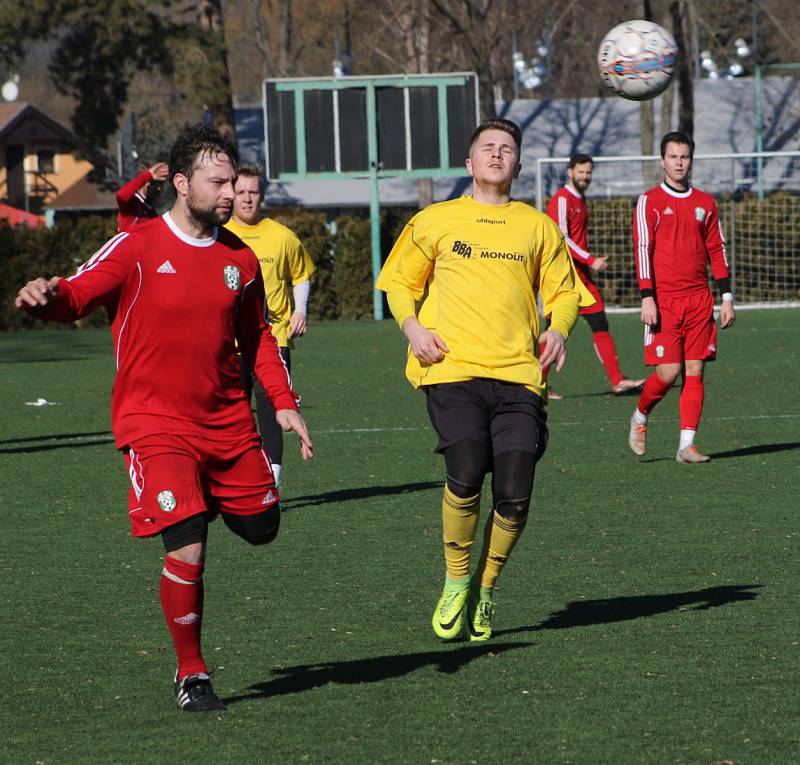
[180,291]
[676,232]
[135,198]
[569,210]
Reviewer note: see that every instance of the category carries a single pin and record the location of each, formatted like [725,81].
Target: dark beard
[208,217]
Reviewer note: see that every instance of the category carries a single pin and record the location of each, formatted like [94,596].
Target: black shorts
[506,416]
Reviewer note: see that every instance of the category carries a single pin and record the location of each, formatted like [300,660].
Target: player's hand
[427,346]
[159,171]
[298,324]
[727,314]
[553,349]
[37,293]
[291,420]
[600,263]
[649,312]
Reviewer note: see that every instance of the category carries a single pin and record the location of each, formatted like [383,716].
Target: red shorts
[174,477]
[598,306]
[685,331]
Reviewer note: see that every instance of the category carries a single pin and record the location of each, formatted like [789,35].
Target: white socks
[687,439]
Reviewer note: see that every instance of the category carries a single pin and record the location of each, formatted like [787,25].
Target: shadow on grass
[585,613]
[366,492]
[23,358]
[745,451]
[757,449]
[306,677]
[57,441]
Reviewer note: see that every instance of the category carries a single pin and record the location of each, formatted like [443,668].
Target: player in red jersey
[676,232]
[134,198]
[568,208]
[180,291]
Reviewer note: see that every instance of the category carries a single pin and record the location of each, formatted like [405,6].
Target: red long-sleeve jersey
[675,235]
[132,204]
[177,306]
[568,208]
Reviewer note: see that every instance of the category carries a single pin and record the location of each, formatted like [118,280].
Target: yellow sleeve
[301,267]
[402,305]
[409,263]
[562,291]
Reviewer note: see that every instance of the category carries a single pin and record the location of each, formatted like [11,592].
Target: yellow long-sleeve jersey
[284,262]
[483,267]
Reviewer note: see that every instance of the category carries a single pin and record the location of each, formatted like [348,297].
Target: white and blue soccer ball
[637,59]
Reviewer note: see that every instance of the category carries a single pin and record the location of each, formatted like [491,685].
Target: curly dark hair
[194,142]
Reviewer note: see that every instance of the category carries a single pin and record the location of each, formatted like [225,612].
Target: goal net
[758,196]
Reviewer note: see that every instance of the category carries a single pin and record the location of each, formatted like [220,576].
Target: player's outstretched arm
[291,420]
[600,263]
[37,293]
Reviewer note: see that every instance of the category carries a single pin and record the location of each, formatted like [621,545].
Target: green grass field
[649,614]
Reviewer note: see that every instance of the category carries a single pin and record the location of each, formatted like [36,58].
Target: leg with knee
[256,529]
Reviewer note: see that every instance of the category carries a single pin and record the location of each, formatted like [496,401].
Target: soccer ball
[637,59]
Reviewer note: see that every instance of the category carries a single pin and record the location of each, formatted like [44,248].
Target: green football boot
[450,613]
[479,614]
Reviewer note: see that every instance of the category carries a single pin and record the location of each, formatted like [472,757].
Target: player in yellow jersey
[475,349]
[286,268]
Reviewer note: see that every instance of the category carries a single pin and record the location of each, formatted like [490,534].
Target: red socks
[691,403]
[181,593]
[607,353]
[653,391]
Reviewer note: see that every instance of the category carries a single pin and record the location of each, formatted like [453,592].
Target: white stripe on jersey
[127,315]
[562,215]
[644,238]
[722,238]
[563,225]
[101,254]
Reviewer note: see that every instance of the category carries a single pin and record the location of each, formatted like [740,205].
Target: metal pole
[759,134]
[759,113]
[374,198]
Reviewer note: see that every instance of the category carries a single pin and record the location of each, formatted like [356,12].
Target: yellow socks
[499,537]
[459,523]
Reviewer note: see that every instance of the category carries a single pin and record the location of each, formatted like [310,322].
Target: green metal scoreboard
[392,126]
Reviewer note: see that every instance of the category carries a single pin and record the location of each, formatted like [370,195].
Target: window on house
[46,160]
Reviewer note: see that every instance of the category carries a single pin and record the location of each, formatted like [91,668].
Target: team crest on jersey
[700,214]
[166,500]
[232,278]
[660,351]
